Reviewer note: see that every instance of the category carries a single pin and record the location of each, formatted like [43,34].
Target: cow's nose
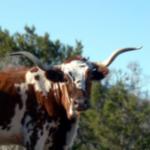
[81,105]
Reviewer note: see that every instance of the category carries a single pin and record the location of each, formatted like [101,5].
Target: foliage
[6,42]
[50,52]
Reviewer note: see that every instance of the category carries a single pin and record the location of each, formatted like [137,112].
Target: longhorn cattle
[40,107]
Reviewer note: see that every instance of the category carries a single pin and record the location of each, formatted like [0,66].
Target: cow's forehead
[77,71]
[76,67]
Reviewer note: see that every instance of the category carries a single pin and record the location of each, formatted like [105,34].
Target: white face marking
[42,85]
[78,70]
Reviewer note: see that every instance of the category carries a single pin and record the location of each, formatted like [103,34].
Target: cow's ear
[99,73]
[56,75]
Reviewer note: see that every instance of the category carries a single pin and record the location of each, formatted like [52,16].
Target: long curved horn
[31,57]
[110,59]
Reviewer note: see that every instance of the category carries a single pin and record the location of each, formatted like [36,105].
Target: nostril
[78,81]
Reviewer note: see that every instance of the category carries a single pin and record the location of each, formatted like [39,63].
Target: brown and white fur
[40,109]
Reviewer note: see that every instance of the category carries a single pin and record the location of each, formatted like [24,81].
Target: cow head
[80,73]
[75,77]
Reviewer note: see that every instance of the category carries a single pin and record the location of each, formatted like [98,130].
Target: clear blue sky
[102,26]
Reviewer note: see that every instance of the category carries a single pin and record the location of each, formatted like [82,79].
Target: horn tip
[139,47]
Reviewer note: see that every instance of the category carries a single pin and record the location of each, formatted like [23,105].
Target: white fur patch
[46,127]
[71,134]
[78,70]
[14,133]
[42,85]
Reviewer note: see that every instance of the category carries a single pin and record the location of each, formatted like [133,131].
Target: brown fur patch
[9,96]
[34,69]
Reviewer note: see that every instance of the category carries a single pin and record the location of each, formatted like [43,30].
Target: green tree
[6,42]
[50,52]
